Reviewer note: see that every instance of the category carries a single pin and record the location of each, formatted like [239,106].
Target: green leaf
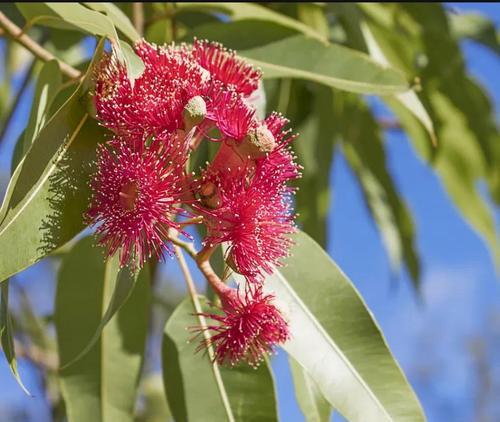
[306,58]
[314,16]
[475,26]
[193,392]
[408,99]
[123,282]
[102,386]
[336,340]
[312,403]
[68,16]
[48,192]
[47,85]
[315,150]
[364,151]
[245,11]
[7,335]
[135,66]
[119,19]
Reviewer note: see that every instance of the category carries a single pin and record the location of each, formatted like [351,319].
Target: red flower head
[155,102]
[229,111]
[253,213]
[248,328]
[136,192]
[226,67]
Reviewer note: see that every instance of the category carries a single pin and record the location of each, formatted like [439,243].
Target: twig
[37,356]
[206,335]
[138,17]
[16,33]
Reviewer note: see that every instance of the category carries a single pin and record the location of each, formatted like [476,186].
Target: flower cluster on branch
[185,96]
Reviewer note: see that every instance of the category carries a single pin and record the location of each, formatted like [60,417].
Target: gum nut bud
[194,112]
[259,142]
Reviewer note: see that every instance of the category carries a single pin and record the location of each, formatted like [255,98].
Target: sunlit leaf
[47,85]
[336,340]
[312,403]
[48,192]
[119,19]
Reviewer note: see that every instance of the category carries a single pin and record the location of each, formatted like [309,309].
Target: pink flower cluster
[188,95]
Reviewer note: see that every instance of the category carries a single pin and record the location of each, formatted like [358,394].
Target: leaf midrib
[332,343]
[47,174]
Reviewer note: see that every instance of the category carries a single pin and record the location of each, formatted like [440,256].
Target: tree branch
[138,17]
[16,33]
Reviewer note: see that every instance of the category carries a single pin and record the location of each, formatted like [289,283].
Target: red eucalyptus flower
[155,101]
[136,193]
[249,327]
[226,67]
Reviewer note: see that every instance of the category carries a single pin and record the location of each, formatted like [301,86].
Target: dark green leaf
[315,148]
[102,386]
[244,11]
[192,389]
[365,154]
[476,27]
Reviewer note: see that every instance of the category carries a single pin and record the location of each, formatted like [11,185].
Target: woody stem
[16,33]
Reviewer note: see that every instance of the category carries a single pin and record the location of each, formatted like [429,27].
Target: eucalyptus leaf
[336,340]
[312,403]
[48,192]
[102,386]
[48,82]
[244,11]
[7,335]
[119,19]
[68,16]
[193,391]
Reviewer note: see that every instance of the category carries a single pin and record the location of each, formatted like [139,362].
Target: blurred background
[443,330]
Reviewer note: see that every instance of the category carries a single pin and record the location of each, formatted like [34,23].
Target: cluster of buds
[188,95]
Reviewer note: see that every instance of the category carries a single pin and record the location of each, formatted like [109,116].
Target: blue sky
[431,340]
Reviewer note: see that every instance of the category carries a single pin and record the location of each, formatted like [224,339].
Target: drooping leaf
[119,19]
[315,148]
[363,148]
[306,58]
[48,192]
[7,335]
[47,85]
[245,11]
[475,26]
[135,65]
[124,282]
[336,340]
[312,403]
[102,386]
[192,389]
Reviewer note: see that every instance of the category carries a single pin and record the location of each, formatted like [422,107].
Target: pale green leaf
[48,192]
[312,403]
[68,16]
[119,19]
[48,82]
[336,340]
[192,390]
[102,386]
